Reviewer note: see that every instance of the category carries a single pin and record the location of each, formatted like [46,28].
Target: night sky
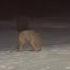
[48,8]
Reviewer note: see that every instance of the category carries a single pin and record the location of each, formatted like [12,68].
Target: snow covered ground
[55,54]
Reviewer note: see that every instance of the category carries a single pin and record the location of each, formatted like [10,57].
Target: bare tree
[22,24]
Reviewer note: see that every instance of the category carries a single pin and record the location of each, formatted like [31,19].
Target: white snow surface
[55,53]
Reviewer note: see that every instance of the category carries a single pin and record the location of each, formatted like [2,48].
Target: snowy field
[55,54]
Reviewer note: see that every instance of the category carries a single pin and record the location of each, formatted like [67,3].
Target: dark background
[53,11]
